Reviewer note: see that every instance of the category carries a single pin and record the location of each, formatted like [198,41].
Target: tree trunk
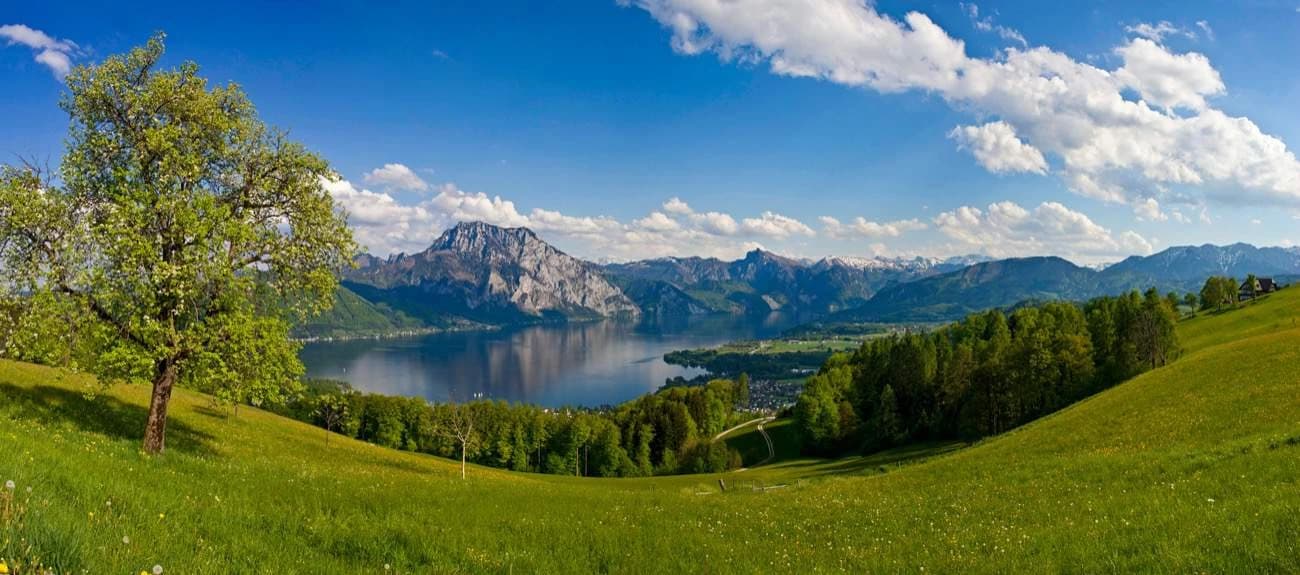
[156,426]
[462,460]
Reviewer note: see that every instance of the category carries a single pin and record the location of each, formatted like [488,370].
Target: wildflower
[10,486]
[162,516]
[157,570]
[4,569]
[126,540]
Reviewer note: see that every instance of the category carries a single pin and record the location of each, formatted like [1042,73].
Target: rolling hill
[1188,468]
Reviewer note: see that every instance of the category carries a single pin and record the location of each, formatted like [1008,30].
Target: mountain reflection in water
[589,363]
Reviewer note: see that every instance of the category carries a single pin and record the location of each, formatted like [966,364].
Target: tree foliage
[1217,292]
[181,226]
[983,375]
[667,432]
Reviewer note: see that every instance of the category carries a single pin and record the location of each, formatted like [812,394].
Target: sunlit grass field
[1190,468]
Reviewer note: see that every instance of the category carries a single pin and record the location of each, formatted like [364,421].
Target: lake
[590,363]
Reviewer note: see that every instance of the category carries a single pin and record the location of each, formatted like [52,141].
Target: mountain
[1184,268]
[485,273]
[353,315]
[762,282]
[1004,283]
[978,287]
[476,272]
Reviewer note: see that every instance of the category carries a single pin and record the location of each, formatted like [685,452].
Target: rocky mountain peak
[485,241]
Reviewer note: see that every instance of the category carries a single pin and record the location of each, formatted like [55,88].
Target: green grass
[753,449]
[1194,467]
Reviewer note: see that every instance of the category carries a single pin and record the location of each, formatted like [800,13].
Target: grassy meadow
[1194,467]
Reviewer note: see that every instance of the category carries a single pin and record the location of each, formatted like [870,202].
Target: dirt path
[771,450]
[735,427]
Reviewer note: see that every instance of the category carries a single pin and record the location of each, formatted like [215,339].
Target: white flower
[126,540]
[157,570]
[10,485]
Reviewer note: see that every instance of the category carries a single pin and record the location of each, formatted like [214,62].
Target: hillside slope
[1193,467]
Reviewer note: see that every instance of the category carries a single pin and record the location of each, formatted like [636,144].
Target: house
[1262,286]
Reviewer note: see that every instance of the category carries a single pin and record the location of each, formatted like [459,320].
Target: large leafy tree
[183,226]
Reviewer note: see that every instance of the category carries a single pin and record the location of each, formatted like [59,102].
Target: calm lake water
[590,364]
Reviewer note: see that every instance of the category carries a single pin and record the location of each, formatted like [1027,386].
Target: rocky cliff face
[489,273]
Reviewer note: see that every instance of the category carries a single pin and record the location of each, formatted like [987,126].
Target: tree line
[662,433]
[982,375]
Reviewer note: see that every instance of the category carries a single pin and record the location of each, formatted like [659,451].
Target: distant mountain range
[477,273]
[1004,283]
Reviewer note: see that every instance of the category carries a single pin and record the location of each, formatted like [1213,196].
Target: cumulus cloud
[1149,210]
[677,206]
[53,53]
[775,225]
[396,177]
[861,227]
[996,147]
[1111,146]
[385,225]
[1168,80]
[1005,229]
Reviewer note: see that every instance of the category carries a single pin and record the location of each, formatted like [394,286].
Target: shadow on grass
[878,462]
[102,414]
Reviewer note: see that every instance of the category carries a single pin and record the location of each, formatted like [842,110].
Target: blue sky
[1091,131]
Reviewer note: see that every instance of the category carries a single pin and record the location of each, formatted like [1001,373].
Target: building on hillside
[1262,286]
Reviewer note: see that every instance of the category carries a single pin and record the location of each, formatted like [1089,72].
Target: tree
[1217,291]
[1189,300]
[459,426]
[816,414]
[888,424]
[331,410]
[183,224]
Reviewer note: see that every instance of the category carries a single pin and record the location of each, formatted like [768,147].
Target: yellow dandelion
[4,569]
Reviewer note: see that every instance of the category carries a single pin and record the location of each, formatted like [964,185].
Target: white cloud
[396,177]
[1111,147]
[1149,210]
[996,147]
[775,225]
[716,223]
[1205,27]
[1168,80]
[1159,30]
[861,227]
[677,206]
[986,24]
[1005,229]
[384,225]
[657,222]
[52,52]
